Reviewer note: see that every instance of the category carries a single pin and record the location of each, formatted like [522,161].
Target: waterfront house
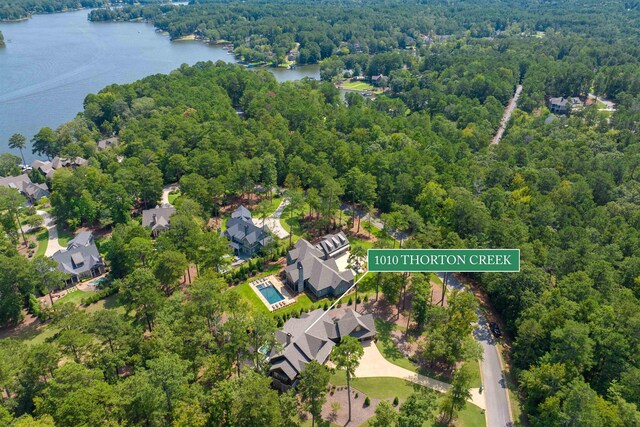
[22,183]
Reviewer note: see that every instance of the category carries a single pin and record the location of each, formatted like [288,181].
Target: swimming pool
[270,292]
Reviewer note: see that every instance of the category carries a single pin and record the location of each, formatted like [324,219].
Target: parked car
[495,329]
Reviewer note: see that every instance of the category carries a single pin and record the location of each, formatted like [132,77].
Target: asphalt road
[498,413]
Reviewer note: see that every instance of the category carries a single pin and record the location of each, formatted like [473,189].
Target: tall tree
[347,356]
[456,397]
[18,141]
[296,200]
[11,201]
[51,278]
[312,388]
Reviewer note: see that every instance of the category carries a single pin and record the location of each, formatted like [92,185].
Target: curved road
[498,409]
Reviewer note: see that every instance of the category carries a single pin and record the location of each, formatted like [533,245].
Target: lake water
[51,62]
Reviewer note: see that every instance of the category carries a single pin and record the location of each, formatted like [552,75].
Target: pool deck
[288,298]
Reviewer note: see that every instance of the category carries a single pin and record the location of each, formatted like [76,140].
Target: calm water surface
[51,62]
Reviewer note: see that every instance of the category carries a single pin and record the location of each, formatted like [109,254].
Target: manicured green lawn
[64,236]
[389,388]
[377,387]
[74,297]
[359,85]
[274,203]
[111,302]
[43,241]
[173,196]
[302,301]
[248,295]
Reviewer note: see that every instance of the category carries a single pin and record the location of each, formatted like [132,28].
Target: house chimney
[289,336]
[300,278]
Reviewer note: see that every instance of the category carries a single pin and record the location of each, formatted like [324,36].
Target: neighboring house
[552,118]
[378,80]
[313,268]
[157,219]
[333,245]
[22,183]
[244,236]
[564,105]
[312,337]
[103,144]
[81,259]
[47,168]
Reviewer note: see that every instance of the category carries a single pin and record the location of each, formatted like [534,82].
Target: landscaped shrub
[34,306]
[339,305]
[366,298]
[350,301]
[32,245]
[358,300]
[100,295]
[326,306]
[367,401]
[356,396]
[395,401]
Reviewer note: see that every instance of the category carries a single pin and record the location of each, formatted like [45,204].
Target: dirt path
[507,115]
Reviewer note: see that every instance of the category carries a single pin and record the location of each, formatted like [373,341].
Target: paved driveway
[373,364]
[272,222]
[53,245]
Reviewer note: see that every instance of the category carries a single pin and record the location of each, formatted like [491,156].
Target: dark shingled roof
[313,336]
[80,256]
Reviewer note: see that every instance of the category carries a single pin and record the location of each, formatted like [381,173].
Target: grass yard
[173,196]
[74,297]
[109,303]
[377,387]
[388,388]
[42,237]
[64,236]
[274,203]
[302,301]
[359,85]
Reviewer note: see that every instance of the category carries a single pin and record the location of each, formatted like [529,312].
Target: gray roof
[84,238]
[78,259]
[105,143]
[242,229]
[550,119]
[47,168]
[161,218]
[319,273]
[241,212]
[315,342]
[356,325]
[23,184]
[332,243]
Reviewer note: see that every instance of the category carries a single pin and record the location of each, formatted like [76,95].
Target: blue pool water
[270,293]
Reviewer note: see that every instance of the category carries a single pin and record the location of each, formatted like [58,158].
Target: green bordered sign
[443,260]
